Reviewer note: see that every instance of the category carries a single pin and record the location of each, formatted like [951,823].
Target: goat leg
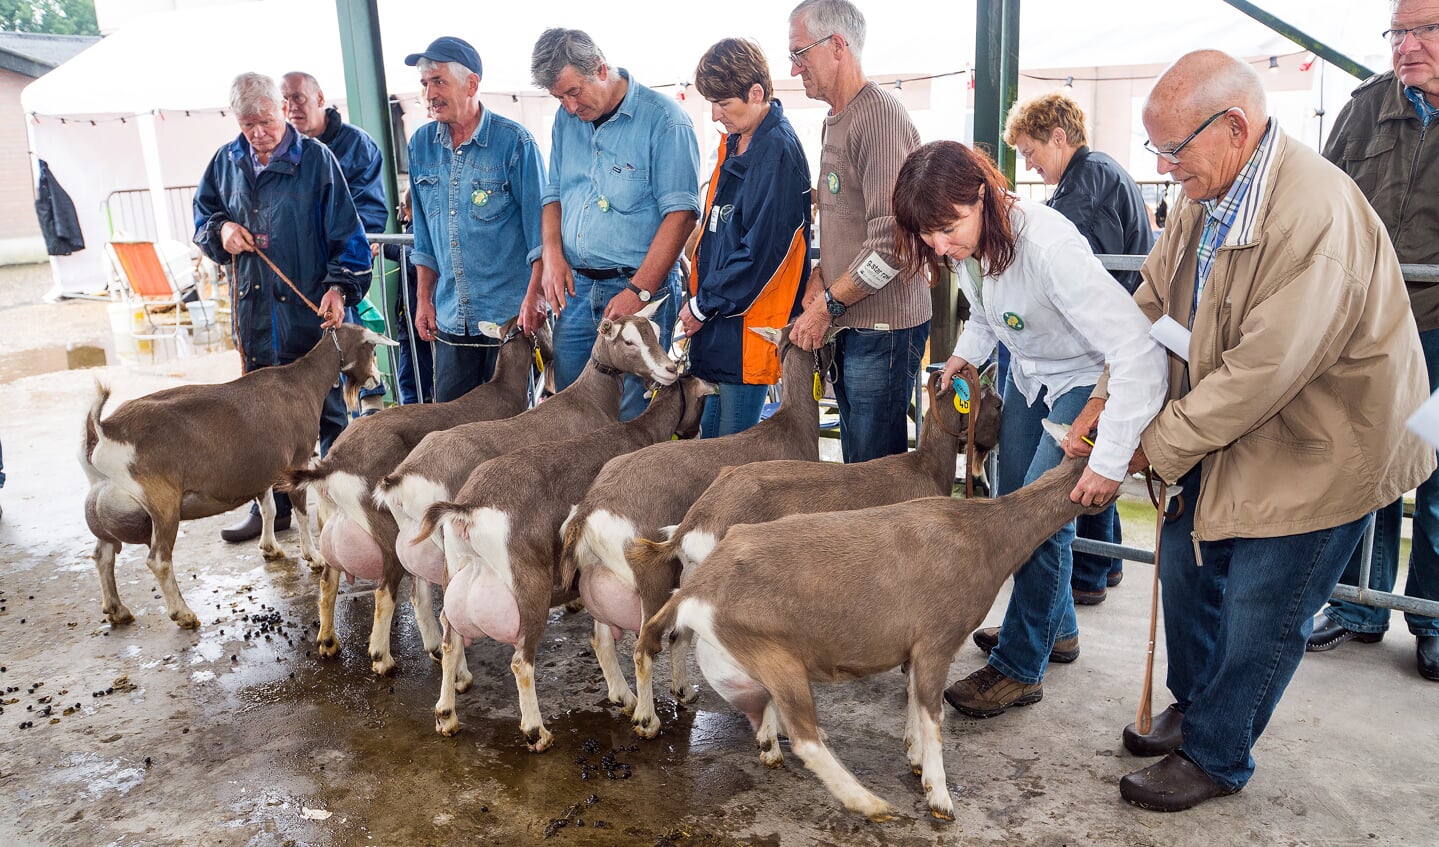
[766,738]
[452,657]
[381,662]
[326,642]
[115,611]
[299,502]
[927,676]
[913,738]
[680,686]
[422,604]
[269,547]
[644,720]
[165,526]
[602,641]
[537,738]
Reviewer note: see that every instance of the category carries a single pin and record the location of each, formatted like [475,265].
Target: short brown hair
[730,68]
[931,182]
[1040,116]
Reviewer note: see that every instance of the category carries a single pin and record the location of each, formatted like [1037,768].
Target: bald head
[1206,81]
[304,102]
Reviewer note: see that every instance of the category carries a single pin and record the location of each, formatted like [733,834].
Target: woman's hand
[1074,443]
[951,367]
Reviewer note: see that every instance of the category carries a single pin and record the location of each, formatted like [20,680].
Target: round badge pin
[1013,321]
[480,197]
[831,181]
[604,204]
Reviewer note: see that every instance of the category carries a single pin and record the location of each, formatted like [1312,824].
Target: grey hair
[250,90]
[458,71]
[833,17]
[560,48]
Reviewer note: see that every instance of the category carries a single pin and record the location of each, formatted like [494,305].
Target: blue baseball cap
[447,48]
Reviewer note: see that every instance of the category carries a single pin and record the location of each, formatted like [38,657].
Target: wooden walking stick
[1144,720]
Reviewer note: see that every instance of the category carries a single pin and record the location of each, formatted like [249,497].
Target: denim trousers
[734,409]
[1041,609]
[579,324]
[874,372]
[1091,572]
[412,392]
[333,418]
[1423,581]
[1235,625]
[462,363]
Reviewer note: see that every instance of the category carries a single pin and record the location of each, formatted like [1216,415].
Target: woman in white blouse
[1033,283]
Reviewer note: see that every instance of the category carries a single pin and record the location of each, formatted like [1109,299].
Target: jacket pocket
[1369,162]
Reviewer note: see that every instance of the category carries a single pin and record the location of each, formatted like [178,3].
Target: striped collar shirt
[1426,110]
[1239,206]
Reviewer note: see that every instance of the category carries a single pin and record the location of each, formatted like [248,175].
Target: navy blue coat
[1103,202]
[300,212]
[363,167]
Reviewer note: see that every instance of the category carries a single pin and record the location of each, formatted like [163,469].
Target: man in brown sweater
[857,285]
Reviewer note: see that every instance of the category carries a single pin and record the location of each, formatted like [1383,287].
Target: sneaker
[988,692]
[1064,651]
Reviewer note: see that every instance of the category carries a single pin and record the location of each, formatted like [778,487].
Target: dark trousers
[466,362]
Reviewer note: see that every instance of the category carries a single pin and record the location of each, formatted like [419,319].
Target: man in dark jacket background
[275,190]
[1382,140]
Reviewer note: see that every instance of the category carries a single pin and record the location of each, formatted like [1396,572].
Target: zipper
[1409,188]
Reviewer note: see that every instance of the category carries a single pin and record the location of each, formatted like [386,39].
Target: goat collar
[608,370]
[335,337]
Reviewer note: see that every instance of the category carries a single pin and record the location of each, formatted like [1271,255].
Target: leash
[1158,493]
[235,302]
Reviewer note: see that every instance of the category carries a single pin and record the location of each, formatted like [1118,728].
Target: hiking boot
[988,692]
[1063,652]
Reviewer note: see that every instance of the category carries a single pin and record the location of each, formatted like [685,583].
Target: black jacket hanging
[58,221]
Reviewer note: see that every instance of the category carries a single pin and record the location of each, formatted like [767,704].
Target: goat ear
[990,376]
[608,329]
[833,333]
[1056,431]
[649,311]
[373,337]
[768,333]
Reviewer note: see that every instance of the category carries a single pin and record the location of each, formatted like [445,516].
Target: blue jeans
[578,325]
[1091,572]
[1041,609]
[1423,579]
[874,373]
[734,409]
[1235,626]
[410,392]
[465,363]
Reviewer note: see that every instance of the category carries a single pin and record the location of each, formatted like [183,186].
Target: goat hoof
[435,656]
[382,665]
[446,723]
[317,565]
[883,816]
[916,769]
[538,739]
[328,647]
[626,701]
[646,727]
[272,554]
[574,607]
[463,683]
[119,617]
[686,696]
[772,758]
[186,619]
[942,813]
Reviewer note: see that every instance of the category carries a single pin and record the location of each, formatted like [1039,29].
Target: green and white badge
[1013,321]
[831,181]
[480,197]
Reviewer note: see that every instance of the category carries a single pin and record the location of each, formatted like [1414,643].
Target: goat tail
[435,515]
[652,634]
[93,429]
[572,533]
[647,556]
[296,480]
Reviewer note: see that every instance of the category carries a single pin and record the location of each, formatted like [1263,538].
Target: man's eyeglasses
[1172,155]
[797,56]
[1427,32]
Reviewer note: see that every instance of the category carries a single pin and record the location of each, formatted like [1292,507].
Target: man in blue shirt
[622,197]
[476,179]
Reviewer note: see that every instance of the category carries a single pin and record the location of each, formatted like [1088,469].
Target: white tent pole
[150,151]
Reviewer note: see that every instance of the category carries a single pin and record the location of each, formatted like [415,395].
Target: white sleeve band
[874,271]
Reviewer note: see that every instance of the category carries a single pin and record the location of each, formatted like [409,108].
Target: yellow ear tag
[961,396]
[539,361]
[818,388]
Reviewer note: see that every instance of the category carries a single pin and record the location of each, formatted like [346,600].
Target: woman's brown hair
[730,68]
[932,181]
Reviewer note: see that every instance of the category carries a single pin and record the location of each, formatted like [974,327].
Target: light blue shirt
[616,183]
[476,212]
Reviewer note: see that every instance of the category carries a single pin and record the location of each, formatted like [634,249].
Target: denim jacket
[616,183]
[477,219]
[300,212]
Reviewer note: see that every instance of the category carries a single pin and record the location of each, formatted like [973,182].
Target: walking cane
[1144,720]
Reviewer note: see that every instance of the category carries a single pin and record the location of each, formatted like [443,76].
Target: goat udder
[609,600]
[424,560]
[479,603]
[351,549]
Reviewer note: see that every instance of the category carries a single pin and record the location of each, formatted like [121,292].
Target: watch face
[836,308]
[639,292]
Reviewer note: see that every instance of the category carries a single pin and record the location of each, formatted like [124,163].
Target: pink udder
[424,560]
[348,547]
[478,603]
[610,601]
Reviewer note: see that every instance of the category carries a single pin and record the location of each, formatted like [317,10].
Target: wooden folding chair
[148,282]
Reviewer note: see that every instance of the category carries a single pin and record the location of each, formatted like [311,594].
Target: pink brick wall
[17,191]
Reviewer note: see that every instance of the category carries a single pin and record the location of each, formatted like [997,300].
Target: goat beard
[351,388]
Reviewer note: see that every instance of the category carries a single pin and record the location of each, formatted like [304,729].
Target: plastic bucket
[202,312]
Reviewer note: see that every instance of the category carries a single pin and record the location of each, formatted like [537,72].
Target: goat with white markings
[359,536]
[502,541]
[435,470]
[199,450]
[843,595]
[766,491]
[638,493]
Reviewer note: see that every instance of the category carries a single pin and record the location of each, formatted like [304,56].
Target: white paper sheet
[1172,335]
[1425,421]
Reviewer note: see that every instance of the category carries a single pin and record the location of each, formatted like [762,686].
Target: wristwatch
[835,307]
[640,292]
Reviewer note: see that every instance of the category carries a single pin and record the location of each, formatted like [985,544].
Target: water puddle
[67,357]
[123,350]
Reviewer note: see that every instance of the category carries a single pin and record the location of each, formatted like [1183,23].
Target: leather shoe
[1089,598]
[1164,735]
[1063,652]
[1427,653]
[1114,579]
[1172,784]
[1329,633]
[249,528]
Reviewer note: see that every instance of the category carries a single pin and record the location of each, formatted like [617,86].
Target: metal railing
[386,302]
[131,214]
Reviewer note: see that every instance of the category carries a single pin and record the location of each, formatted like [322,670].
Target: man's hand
[1093,489]
[811,326]
[953,366]
[1140,462]
[532,312]
[691,323]
[425,324]
[557,282]
[332,309]
[625,303]
[1074,443]
[236,239]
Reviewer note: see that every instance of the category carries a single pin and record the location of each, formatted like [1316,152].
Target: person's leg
[1091,571]
[874,383]
[1274,588]
[1383,569]
[633,402]
[462,363]
[575,330]
[1423,580]
[1191,595]
[734,409]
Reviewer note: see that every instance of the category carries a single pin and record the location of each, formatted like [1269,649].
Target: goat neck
[797,372]
[1014,525]
[940,440]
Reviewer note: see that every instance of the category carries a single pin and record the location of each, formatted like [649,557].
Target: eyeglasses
[1427,32]
[797,56]
[1172,155]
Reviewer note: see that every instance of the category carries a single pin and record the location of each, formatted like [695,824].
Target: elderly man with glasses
[858,283]
[1379,140]
[1288,302]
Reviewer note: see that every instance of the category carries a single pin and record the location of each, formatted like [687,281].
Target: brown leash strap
[281,275]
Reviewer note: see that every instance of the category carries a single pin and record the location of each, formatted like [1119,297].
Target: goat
[436,469]
[199,450]
[766,491]
[359,536]
[844,595]
[502,541]
[638,493]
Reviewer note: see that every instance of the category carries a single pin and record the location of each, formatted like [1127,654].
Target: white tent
[143,109]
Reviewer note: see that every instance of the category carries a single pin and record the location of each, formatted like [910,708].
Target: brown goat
[359,536]
[199,450]
[843,595]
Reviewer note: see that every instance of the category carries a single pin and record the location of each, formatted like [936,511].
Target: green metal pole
[1313,45]
[369,102]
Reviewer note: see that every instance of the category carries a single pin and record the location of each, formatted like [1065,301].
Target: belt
[606,273]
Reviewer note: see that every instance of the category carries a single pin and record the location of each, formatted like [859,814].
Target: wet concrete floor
[236,734]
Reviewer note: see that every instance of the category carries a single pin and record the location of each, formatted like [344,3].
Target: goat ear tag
[961,396]
[818,388]
[539,361]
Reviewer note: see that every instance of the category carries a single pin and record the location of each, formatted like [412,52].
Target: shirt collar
[479,136]
[1240,205]
[1421,104]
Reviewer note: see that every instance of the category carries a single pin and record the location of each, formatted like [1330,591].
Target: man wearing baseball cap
[476,179]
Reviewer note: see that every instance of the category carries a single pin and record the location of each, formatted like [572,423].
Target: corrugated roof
[35,53]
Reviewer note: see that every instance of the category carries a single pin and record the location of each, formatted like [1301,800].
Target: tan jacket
[1304,361]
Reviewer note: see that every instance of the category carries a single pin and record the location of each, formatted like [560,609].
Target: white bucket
[202,312]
